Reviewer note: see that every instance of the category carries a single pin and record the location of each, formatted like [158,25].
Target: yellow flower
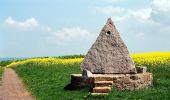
[153,59]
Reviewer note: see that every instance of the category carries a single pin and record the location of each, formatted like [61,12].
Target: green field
[45,78]
[1,72]
[47,83]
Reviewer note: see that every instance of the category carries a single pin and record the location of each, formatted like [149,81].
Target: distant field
[45,78]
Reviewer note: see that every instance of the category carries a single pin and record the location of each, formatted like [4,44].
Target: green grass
[71,56]
[46,82]
[1,72]
[7,62]
[2,65]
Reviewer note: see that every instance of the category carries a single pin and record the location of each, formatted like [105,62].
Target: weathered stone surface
[78,82]
[86,73]
[141,69]
[119,81]
[108,54]
[103,83]
[102,89]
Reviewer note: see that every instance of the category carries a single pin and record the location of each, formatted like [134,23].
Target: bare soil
[12,87]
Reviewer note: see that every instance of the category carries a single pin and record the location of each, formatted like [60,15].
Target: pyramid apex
[109,21]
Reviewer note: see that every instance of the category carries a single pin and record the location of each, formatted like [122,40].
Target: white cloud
[142,13]
[28,24]
[63,34]
[136,21]
[162,5]
[148,25]
[122,12]
[71,33]
[161,11]
[75,35]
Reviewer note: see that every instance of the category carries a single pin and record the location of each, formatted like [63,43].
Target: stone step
[95,94]
[102,89]
[103,78]
[103,83]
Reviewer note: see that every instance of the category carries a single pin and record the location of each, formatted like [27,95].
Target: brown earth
[12,87]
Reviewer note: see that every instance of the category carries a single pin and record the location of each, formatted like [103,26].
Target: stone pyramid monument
[108,64]
[109,54]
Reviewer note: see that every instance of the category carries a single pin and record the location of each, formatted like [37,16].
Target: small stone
[133,71]
[134,77]
[141,69]
[86,73]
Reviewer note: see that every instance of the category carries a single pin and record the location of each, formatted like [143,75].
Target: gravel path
[12,87]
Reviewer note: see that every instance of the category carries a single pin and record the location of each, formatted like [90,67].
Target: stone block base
[119,81]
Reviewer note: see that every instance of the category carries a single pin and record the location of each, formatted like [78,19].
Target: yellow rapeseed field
[154,58]
[139,59]
[47,61]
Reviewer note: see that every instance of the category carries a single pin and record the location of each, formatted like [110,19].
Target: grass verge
[1,72]
[46,82]
[2,66]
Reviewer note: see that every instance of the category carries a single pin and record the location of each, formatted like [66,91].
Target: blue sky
[31,28]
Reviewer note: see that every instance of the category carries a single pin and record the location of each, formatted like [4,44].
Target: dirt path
[12,87]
